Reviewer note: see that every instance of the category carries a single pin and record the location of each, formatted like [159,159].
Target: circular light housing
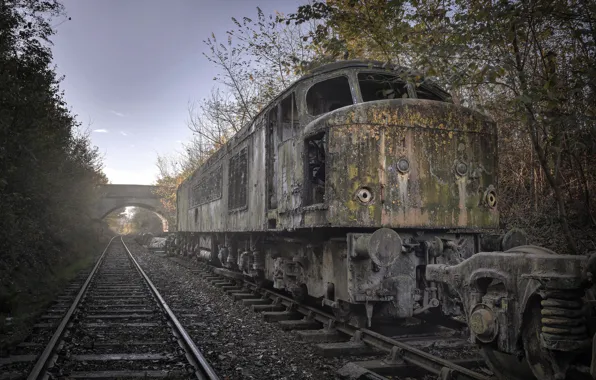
[364,195]
[403,165]
[491,199]
[461,168]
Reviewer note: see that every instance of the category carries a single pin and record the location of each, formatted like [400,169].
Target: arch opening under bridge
[114,197]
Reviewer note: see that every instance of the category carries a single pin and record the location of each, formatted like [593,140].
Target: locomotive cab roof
[401,73]
[389,68]
[408,77]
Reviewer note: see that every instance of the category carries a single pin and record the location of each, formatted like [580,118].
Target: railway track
[119,326]
[402,354]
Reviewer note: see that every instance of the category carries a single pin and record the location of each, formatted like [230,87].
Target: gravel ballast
[237,342]
[233,338]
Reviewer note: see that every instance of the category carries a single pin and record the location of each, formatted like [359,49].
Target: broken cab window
[315,187]
[375,86]
[328,95]
[381,86]
[422,93]
[272,141]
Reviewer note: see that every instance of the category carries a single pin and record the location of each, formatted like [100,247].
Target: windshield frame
[410,85]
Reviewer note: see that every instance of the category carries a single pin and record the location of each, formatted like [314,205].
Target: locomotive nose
[409,163]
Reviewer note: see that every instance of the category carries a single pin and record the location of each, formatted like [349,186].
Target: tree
[509,48]
[49,173]
[170,176]
[134,220]
[258,59]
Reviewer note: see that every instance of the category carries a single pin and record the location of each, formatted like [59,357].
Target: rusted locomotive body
[373,195]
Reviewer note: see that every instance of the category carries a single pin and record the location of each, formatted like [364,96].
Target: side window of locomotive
[271,164]
[289,118]
[328,95]
[379,86]
[208,189]
[238,180]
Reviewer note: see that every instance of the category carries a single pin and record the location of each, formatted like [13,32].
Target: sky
[131,67]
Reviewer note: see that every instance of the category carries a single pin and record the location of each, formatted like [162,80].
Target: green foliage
[173,172]
[114,220]
[133,221]
[49,173]
[144,220]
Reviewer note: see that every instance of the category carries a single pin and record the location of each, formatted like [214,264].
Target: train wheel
[545,364]
[350,313]
[299,293]
[343,311]
[538,363]
[505,366]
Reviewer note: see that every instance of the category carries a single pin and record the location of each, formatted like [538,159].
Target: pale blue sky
[132,66]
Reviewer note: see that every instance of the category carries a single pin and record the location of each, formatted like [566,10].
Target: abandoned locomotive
[375,194]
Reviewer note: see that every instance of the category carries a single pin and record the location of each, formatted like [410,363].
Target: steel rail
[408,353]
[39,370]
[204,370]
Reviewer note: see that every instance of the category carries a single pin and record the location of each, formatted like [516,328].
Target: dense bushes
[48,170]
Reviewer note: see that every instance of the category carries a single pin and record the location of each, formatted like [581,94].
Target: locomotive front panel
[411,164]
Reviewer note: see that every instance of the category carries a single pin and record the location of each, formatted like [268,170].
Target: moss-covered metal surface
[366,144]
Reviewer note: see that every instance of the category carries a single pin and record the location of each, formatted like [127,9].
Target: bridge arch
[114,197]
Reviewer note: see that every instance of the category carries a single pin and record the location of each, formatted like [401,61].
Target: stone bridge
[114,197]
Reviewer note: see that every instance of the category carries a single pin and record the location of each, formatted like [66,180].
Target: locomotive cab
[375,152]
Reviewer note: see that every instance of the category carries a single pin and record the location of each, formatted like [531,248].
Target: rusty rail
[204,369]
[41,365]
[406,352]
[410,355]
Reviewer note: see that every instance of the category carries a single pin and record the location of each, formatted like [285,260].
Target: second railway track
[334,338]
[120,327]
[407,352]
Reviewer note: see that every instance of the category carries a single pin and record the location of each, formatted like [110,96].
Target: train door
[322,97]
[272,142]
[288,164]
